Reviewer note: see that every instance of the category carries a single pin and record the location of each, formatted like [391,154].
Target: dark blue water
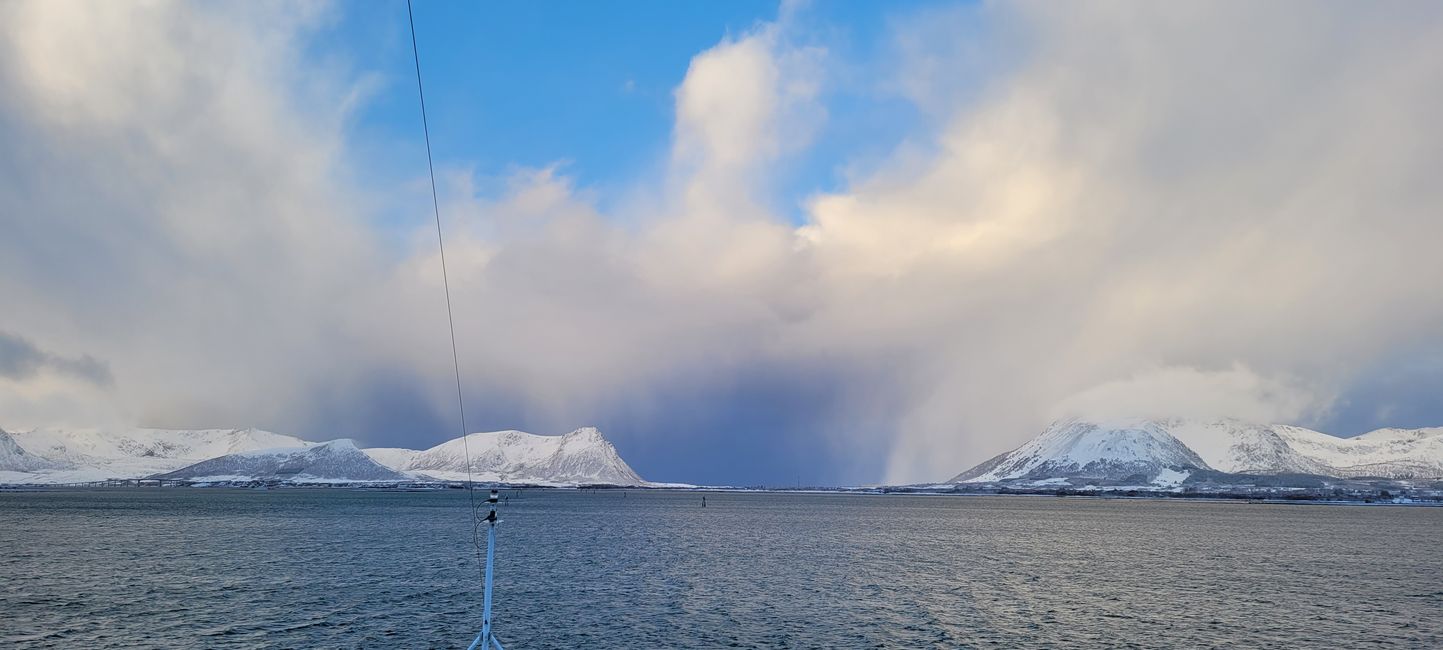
[183,568]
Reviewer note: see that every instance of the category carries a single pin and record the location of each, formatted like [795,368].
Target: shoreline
[1431,498]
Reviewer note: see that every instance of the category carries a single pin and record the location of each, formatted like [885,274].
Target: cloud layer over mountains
[1141,209]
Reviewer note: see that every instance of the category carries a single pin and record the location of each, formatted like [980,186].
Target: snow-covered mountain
[1390,453]
[55,455]
[1240,447]
[1145,450]
[1085,449]
[337,461]
[14,458]
[580,457]
[79,455]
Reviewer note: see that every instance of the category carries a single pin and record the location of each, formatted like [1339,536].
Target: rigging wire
[446,284]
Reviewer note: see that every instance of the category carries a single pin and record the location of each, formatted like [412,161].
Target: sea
[339,568]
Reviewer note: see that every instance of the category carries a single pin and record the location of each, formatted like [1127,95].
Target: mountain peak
[1079,448]
[586,434]
[586,431]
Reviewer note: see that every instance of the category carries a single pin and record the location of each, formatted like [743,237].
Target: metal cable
[446,283]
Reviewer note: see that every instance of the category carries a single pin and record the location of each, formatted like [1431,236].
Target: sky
[824,243]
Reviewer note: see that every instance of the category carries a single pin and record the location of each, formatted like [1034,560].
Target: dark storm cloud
[379,407]
[1405,391]
[767,424]
[20,360]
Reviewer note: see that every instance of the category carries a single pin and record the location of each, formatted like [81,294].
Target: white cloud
[1184,392]
[743,105]
[174,202]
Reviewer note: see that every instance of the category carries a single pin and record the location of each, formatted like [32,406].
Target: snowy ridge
[1390,453]
[1154,450]
[583,456]
[337,461]
[1243,448]
[391,457]
[1085,449]
[14,458]
[80,455]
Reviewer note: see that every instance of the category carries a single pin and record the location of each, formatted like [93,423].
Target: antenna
[486,640]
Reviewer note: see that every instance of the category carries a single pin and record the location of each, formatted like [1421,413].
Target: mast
[486,640]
